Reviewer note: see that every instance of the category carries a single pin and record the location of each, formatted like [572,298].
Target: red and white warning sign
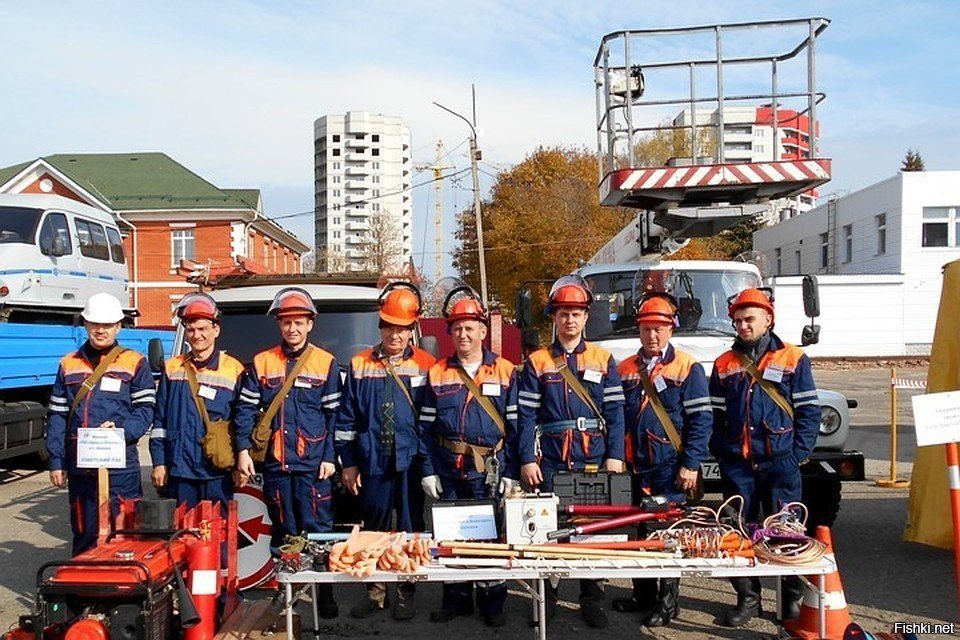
[253,537]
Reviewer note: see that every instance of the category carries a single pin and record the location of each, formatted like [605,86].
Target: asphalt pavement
[885,580]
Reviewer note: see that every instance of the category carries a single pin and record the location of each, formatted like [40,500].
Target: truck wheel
[821,495]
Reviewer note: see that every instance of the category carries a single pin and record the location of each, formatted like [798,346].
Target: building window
[824,250]
[941,227]
[376,193]
[376,206]
[182,245]
[796,255]
[375,137]
[336,207]
[336,220]
[336,179]
[336,193]
[374,152]
[336,234]
[374,165]
[336,166]
[335,152]
[881,234]
[779,261]
[848,243]
[375,179]
[335,137]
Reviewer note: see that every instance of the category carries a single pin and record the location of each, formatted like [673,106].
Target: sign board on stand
[937,418]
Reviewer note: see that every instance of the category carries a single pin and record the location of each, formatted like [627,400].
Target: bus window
[93,241]
[116,245]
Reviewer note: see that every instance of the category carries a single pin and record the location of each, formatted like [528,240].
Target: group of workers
[472,425]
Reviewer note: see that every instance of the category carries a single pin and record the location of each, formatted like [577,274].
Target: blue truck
[29,357]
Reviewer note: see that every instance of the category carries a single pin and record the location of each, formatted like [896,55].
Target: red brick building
[170,218]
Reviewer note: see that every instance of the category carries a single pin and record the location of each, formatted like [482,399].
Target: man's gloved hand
[432,487]
[507,486]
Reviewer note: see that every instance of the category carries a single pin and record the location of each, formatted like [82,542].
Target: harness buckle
[581,424]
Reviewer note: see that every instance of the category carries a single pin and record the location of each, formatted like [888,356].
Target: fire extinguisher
[203,565]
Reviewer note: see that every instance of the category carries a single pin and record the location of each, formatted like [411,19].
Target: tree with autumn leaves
[543,216]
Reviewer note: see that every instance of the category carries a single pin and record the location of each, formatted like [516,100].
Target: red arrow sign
[255,527]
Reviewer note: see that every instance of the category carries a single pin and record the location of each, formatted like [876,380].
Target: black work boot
[643,599]
[748,602]
[668,604]
[791,594]
[326,605]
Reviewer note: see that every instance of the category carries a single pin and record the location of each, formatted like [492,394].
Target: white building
[748,136]
[879,254]
[362,199]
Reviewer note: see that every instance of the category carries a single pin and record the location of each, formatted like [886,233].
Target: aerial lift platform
[643,77]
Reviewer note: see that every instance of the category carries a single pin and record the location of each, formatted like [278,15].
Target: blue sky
[231,89]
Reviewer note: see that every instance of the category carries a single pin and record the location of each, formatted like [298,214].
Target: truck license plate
[710,470]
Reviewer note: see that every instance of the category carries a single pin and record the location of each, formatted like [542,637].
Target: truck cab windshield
[246,332]
[701,294]
[18,225]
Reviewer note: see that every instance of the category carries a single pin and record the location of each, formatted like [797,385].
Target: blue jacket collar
[556,349]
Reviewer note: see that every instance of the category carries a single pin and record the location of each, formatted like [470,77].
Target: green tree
[912,162]
[543,216]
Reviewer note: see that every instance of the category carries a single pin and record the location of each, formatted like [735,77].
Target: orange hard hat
[195,306]
[400,304]
[292,301]
[761,297]
[657,307]
[569,291]
[466,309]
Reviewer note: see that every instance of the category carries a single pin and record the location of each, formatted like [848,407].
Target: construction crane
[437,170]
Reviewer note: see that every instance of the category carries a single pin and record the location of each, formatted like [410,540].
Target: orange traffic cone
[807,625]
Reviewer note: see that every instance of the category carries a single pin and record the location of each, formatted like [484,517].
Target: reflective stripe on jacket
[130,406]
[685,398]
[450,411]
[748,424]
[545,397]
[175,439]
[302,430]
[357,436]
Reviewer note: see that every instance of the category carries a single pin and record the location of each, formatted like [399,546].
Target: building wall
[901,200]
[858,317]
[362,171]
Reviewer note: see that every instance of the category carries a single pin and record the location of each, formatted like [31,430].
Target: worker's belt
[580,424]
[479,452]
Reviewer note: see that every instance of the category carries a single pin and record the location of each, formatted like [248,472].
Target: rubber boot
[326,605]
[791,594]
[643,599]
[748,602]
[668,604]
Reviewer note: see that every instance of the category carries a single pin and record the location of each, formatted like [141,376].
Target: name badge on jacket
[207,392]
[110,385]
[773,375]
[490,389]
[592,375]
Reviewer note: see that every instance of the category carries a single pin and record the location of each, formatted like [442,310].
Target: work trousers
[82,493]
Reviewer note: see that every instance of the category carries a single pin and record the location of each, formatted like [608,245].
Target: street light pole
[474,156]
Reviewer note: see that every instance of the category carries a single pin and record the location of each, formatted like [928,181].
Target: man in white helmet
[100,385]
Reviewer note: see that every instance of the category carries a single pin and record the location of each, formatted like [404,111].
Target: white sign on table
[937,418]
[464,522]
[98,447]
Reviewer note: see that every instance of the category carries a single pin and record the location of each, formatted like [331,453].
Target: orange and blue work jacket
[570,432]
[302,430]
[175,439]
[681,385]
[450,412]
[125,396]
[357,438]
[749,424]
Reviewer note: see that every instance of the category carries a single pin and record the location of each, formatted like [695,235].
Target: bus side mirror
[524,313]
[810,335]
[155,355]
[811,296]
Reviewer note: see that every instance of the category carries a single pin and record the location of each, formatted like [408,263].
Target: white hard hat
[102,308]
